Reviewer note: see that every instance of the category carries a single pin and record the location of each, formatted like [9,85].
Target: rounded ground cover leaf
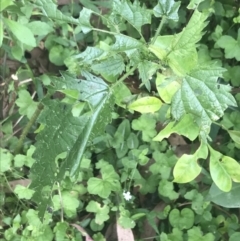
[146,105]
[181,220]
[235,135]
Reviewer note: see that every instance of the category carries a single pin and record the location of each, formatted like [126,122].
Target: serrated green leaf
[136,15]
[126,44]
[112,66]
[102,103]
[230,46]
[59,135]
[208,99]
[184,126]
[167,8]
[26,104]
[40,28]
[146,104]
[179,51]
[194,4]
[50,9]
[21,32]
[187,168]
[70,203]
[23,192]
[146,70]
[104,186]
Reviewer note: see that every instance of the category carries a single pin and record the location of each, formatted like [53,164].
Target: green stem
[28,127]
[124,76]
[159,29]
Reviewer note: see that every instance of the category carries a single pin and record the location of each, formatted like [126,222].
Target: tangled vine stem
[28,127]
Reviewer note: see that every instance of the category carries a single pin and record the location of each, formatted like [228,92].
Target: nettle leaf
[126,44]
[49,9]
[113,65]
[187,168]
[136,15]
[184,126]
[146,70]
[65,133]
[223,170]
[167,8]
[101,212]
[181,220]
[209,99]
[146,104]
[230,45]
[179,51]
[59,135]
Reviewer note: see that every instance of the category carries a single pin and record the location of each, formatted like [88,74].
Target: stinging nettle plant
[172,75]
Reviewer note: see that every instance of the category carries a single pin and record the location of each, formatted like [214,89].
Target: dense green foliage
[129,120]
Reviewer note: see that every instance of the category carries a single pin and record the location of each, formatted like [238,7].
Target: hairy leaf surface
[65,133]
[136,15]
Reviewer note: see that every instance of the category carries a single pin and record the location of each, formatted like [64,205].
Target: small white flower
[127,195]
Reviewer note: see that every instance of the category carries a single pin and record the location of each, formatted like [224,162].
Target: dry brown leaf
[82,231]
[22,182]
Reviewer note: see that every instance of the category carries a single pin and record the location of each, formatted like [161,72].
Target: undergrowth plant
[104,124]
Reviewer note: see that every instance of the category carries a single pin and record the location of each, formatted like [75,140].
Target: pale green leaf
[26,104]
[6,160]
[40,28]
[4,4]
[219,174]
[1,32]
[90,54]
[187,168]
[184,126]
[232,167]
[146,70]
[195,234]
[121,91]
[21,32]
[23,192]
[166,87]
[101,213]
[235,135]
[112,66]
[146,105]
[50,9]
[179,51]
[136,15]
[167,8]
[126,44]
[194,4]
[230,45]
[209,99]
